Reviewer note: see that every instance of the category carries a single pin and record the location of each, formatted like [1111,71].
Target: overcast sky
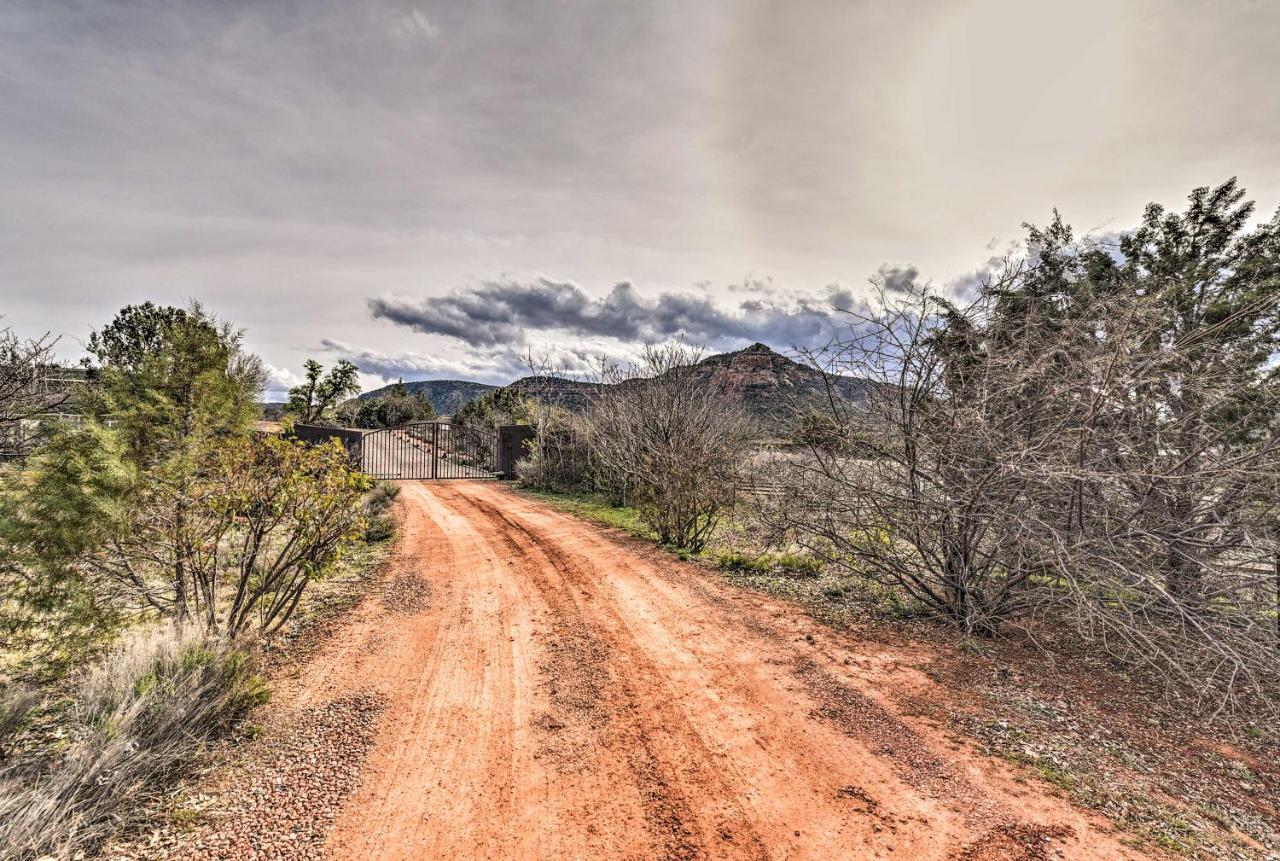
[431,187]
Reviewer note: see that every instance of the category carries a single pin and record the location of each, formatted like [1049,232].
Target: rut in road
[569,693]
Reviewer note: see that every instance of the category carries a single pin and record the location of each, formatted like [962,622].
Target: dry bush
[26,388]
[558,458]
[133,726]
[669,441]
[905,493]
[1068,467]
[376,507]
[1148,511]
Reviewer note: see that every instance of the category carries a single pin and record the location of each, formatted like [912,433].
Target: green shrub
[799,562]
[380,528]
[741,562]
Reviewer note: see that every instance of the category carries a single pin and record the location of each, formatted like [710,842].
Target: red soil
[567,693]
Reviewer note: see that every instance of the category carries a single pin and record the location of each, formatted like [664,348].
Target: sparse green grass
[598,509]
[830,596]
[595,507]
[762,563]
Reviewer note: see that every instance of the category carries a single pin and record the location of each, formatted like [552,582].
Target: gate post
[513,445]
[435,448]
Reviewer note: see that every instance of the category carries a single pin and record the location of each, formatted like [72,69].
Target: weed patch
[133,723]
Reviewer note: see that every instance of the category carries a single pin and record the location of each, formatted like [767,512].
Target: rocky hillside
[774,386]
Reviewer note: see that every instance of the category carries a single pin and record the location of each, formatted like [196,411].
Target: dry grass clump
[133,724]
[381,525]
[17,704]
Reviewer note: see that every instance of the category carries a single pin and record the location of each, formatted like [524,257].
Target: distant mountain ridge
[772,385]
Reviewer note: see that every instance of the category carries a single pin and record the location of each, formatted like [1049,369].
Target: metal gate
[429,450]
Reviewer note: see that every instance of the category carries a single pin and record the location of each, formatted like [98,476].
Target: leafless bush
[26,388]
[135,722]
[671,441]
[1040,464]
[559,458]
[905,492]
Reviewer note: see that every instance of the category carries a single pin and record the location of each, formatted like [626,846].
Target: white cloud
[279,381]
[493,367]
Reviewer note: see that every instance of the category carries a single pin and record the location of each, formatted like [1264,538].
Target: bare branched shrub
[1151,522]
[134,723]
[27,388]
[907,492]
[558,458]
[670,441]
[1093,440]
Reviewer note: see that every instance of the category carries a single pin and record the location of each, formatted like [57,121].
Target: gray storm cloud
[896,279]
[506,311]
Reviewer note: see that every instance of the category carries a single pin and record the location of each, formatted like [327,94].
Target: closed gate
[429,450]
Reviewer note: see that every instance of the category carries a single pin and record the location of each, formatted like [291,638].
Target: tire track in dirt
[443,765]
[585,677]
[554,692]
[985,824]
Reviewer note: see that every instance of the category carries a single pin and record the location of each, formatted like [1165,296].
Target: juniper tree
[316,398]
[171,388]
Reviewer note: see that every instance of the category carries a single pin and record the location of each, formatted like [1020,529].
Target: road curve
[569,693]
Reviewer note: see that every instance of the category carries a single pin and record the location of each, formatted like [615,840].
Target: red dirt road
[567,693]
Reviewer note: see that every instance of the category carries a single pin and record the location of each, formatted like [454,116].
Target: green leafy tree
[284,512]
[72,496]
[321,393]
[396,408]
[504,406]
[1217,287]
[1195,296]
[171,381]
[173,388]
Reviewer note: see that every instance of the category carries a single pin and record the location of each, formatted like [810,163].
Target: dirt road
[566,693]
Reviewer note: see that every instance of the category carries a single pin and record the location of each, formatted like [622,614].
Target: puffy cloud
[279,381]
[504,312]
[896,279]
[498,367]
